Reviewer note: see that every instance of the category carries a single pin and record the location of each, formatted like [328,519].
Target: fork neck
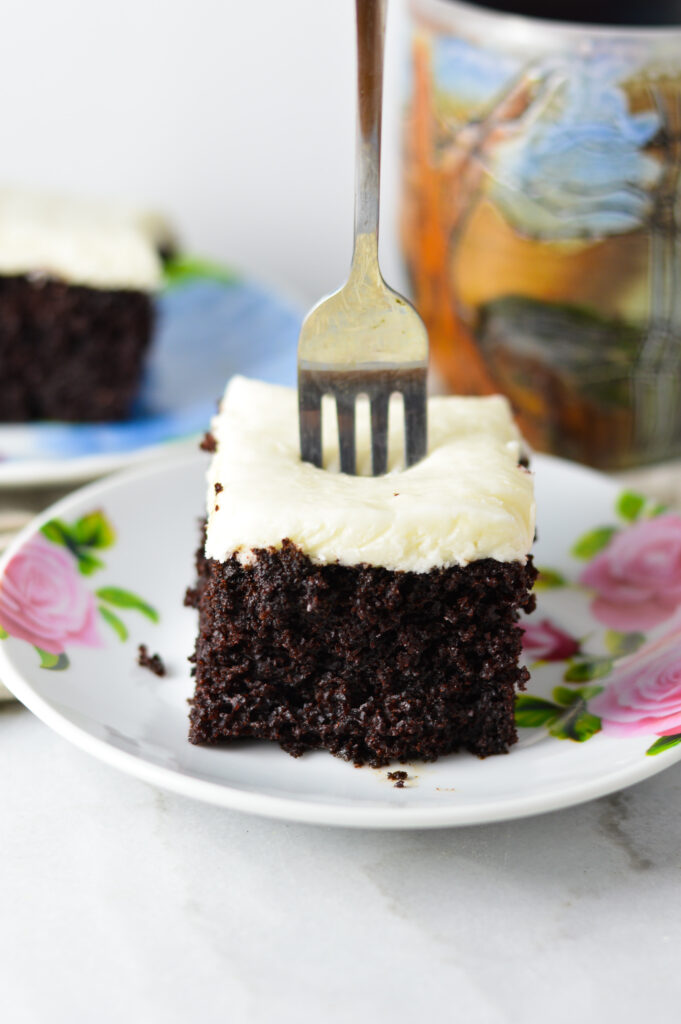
[370,47]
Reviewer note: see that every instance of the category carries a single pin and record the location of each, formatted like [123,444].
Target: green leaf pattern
[590,668]
[55,662]
[112,620]
[90,532]
[621,644]
[594,541]
[663,743]
[565,718]
[182,269]
[549,579]
[94,531]
[125,599]
[630,506]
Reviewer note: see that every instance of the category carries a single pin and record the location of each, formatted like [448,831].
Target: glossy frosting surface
[467,499]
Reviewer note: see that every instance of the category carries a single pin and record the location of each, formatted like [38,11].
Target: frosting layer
[79,241]
[467,499]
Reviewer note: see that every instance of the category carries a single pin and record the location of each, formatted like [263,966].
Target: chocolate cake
[372,617]
[76,315]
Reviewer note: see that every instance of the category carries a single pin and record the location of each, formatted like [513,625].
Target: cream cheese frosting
[80,241]
[467,499]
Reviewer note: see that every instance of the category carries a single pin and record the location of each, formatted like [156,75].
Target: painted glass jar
[541,222]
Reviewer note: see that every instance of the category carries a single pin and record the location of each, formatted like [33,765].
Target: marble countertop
[122,902]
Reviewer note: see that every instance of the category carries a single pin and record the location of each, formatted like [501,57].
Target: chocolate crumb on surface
[397,775]
[218,487]
[208,443]
[153,662]
[372,665]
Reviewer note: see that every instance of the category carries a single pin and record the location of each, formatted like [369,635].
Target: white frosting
[467,499]
[155,226]
[80,241]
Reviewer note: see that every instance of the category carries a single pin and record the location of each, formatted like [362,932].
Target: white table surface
[123,903]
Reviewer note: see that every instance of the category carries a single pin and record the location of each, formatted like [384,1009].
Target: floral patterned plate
[105,570]
[210,324]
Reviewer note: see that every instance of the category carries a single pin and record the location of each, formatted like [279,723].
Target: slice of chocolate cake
[76,316]
[374,617]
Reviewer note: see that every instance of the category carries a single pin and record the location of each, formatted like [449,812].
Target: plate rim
[19,474]
[284,807]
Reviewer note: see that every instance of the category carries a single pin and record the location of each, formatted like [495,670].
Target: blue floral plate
[209,326]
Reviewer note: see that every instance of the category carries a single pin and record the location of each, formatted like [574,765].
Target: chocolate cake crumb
[70,352]
[152,662]
[399,778]
[372,665]
[208,443]
[218,488]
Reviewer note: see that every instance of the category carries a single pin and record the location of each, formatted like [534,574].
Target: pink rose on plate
[644,697]
[545,642]
[637,578]
[43,599]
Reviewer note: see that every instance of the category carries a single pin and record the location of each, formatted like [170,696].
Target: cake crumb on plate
[151,661]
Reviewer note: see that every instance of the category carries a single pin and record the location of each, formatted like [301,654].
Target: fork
[365,338]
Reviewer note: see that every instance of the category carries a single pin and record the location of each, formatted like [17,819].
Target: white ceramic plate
[208,327]
[108,571]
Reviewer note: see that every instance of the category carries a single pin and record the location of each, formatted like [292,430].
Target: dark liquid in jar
[592,12]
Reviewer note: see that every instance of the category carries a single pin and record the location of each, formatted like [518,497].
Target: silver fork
[365,339]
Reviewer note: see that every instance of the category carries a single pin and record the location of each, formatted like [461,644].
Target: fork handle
[370,46]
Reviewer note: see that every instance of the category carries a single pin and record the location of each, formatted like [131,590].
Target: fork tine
[345,411]
[365,338]
[310,420]
[415,423]
[379,433]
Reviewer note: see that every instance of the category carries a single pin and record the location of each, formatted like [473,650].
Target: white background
[237,118]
